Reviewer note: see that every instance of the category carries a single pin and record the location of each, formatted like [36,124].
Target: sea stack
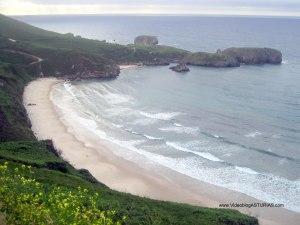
[146,40]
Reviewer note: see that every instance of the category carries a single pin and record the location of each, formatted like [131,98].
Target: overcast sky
[222,7]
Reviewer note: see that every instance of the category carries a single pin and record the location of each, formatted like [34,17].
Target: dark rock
[211,60]
[88,176]
[146,40]
[60,166]
[50,147]
[255,55]
[181,67]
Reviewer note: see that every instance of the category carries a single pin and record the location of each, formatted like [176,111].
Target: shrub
[25,201]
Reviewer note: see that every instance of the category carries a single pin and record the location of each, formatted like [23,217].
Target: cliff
[234,57]
[255,55]
[211,60]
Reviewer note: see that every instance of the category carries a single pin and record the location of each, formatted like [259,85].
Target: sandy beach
[128,66]
[122,175]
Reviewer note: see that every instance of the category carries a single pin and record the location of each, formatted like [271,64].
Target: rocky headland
[158,55]
[254,56]
[211,60]
[234,57]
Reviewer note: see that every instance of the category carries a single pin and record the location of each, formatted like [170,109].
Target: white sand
[123,175]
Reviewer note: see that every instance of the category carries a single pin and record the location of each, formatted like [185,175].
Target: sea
[237,128]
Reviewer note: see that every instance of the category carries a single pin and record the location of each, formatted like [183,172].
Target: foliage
[26,201]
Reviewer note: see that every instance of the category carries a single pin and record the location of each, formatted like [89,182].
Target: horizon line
[158,14]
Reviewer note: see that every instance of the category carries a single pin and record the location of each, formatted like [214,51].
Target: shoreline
[125,176]
[129,66]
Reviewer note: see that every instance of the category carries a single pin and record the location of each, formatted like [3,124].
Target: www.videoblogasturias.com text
[251,205]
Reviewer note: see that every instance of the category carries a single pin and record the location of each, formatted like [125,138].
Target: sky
[203,7]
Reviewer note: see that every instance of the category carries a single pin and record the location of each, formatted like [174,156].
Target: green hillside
[39,187]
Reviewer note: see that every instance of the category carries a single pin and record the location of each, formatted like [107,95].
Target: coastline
[125,176]
[128,66]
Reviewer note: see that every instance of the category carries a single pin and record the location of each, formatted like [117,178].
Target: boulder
[211,60]
[255,55]
[146,40]
[180,68]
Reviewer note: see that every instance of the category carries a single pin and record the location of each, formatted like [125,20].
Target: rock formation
[181,67]
[211,60]
[233,57]
[255,55]
[146,40]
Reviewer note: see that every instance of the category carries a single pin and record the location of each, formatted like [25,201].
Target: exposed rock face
[109,71]
[255,55]
[146,40]
[181,67]
[80,66]
[211,60]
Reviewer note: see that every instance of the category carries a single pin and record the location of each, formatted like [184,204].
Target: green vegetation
[27,201]
[56,180]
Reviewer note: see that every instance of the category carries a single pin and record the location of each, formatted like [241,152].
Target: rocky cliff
[234,57]
[255,55]
[211,60]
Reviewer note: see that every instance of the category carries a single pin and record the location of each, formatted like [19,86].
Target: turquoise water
[237,128]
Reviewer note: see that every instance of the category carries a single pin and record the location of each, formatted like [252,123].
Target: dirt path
[36,60]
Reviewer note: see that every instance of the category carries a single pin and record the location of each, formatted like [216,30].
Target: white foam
[112,96]
[114,99]
[246,170]
[12,40]
[205,155]
[181,130]
[143,121]
[117,125]
[253,134]
[177,125]
[131,131]
[160,116]
[151,137]
[68,88]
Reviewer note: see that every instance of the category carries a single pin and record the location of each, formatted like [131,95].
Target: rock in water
[255,55]
[181,67]
[146,40]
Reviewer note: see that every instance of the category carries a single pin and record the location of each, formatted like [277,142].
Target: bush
[25,201]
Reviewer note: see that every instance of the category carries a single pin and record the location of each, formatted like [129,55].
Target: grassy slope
[19,146]
[39,39]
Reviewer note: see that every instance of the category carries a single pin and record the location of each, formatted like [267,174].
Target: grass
[136,209]
[29,152]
